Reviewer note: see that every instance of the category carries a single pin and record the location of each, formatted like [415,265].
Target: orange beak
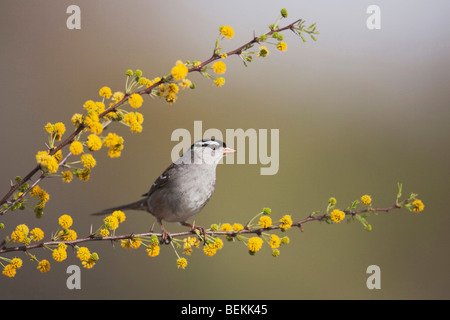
[228,150]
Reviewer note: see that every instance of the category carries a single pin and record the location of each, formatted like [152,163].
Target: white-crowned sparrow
[184,188]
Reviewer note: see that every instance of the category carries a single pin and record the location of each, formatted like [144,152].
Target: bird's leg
[193,228]
[166,238]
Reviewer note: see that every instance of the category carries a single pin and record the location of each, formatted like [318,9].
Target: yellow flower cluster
[226,32]
[265,221]
[337,215]
[43,266]
[189,243]
[418,206]
[24,235]
[134,120]
[254,244]
[182,263]
[10,269]
[60,254]
[66,234]
[286,222]
[219,67]
[211,248]
[169,91]
[132,243]
[42,195]
[115,145]
[180,70]
[56,130]
[135,100]
[366,199]
[47,161]
[87,258]
[112,221]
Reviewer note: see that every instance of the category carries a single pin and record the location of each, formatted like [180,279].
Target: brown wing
[161,180]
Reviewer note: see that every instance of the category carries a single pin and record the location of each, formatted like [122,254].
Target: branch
[233,234]
[7,201]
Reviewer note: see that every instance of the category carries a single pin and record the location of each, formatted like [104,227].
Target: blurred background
[358,111]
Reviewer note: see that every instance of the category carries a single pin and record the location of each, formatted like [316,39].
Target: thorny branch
[113,108]
[257,231]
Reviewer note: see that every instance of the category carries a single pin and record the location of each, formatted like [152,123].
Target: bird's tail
[138,205]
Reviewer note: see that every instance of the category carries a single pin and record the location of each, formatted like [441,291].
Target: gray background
[358,111]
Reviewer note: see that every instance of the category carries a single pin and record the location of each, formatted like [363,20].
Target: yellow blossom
[59,255]
[185,83]
[40,193]
[119,215]
[77,119]
[49,127]
[209,250]
[418,206]
[219,81]
[16,263]
[59,130]
[76,148]
[48,161]
[88,264]
[9,271]
[58,156]
[131,243]
[366,199]
[17,236]
[67,176]
[286,222]
[254,244]
[282,46]
[218,243]
[153,250]
[226,227]
[274,241]
[43,266]
[181,263]
[219,67]
[23,228]
[90,105]
[88,160]
[83,254]
[179,71]
[36,234]
[172,88]
[67,235]
[265,221]
[227,31]
[104,232]
[337,215]
[111,222]
[117,96]
[94,142]
[65,221]
[171,98]
[238,227]
[135,100]
[115,144]
[84,174]
[105,92]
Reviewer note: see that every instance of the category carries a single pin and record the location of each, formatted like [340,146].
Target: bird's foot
[199,230]
[166,237]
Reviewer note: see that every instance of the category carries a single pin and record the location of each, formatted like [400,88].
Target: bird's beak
[228,150]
